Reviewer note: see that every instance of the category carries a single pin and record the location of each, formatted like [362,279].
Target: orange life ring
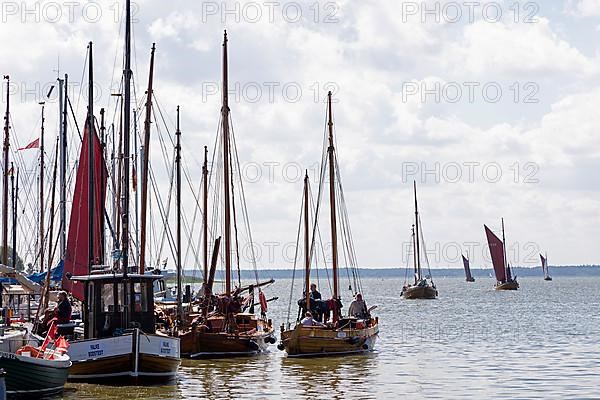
[263,302]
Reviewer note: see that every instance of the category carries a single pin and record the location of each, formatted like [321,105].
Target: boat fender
[280,346]
[271,340]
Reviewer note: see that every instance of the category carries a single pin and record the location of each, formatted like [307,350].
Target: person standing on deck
[358,308]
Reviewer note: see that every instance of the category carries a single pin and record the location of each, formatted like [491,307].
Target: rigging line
[295,262]
[167,230]
[235,229]
[189,232]
[85,65]
[244,204]
[425,249]
[318,204]
[346,218]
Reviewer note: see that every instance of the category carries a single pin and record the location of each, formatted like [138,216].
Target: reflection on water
[541,341]
[334,377]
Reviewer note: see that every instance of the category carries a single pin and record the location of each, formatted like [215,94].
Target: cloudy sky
[491,107]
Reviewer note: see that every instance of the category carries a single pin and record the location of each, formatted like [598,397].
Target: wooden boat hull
[512,285]
[196,344]
[130,359]
[316,341]
[34,378]
[419,292]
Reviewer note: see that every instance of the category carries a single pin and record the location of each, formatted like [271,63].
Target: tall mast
[102,188]
[63,165]
[205,212]
[41,223]
[5,178]
[46,290]
[414,238]
[225,128]
[331,155]
[134,184]
[145,156]
[178,238]
[126,135]
[90,122]
[504,250]
[14,217]
[306,249]
[418,250]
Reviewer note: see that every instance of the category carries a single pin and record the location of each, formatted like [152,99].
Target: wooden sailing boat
[468,276]
[421,288]
[119,343]
[504,279]
[547,276]
[222,328]
[343,335]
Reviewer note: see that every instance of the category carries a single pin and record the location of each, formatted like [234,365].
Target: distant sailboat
[504,279]
[469,277]
[547,276]
[422,288]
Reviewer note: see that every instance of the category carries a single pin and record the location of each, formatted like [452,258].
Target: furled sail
[76,254]
[497,253]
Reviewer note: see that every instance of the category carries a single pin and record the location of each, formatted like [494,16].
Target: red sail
[76,253]
[497,253]
[467,268]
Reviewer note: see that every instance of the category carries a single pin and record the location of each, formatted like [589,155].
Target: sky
[490,106]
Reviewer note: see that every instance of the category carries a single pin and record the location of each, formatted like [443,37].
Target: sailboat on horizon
[466,265]
[547,276]
[504,278]
[423,287]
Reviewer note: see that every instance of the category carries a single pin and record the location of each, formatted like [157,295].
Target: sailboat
[342,335]
[468,276]
[119,343]
[226,325]
[504,278]
[547,276]
[421,288]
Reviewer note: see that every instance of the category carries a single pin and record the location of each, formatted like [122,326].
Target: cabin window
[140,302]
[108,297]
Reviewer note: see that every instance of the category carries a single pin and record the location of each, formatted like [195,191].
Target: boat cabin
[114,303]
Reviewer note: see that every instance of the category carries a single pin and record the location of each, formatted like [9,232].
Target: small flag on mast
[33,145]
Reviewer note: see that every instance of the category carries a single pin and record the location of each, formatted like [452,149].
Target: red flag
[50,335]
[61,344]
[33,145]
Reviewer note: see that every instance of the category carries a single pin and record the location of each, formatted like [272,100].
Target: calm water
[541,342]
